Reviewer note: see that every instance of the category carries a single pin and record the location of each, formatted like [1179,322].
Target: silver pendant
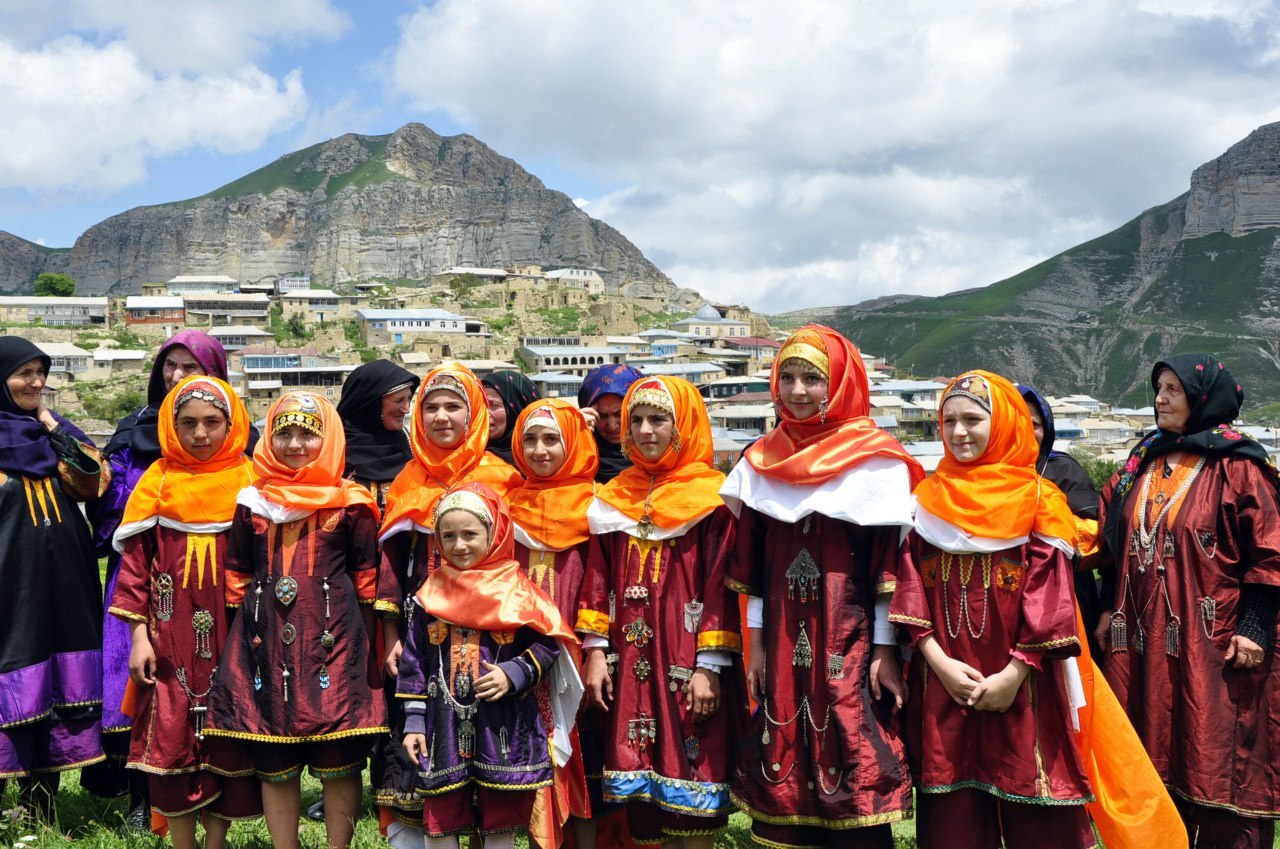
[164,597]
[802,656]
[693,616]
[803,575]
[286,590]
[835,667]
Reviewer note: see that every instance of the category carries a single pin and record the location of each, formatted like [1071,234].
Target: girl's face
[445,417]
[497,413]
[202,428]
[296,446]
[464,539]
[651,430]
[966,428]
[394,406]
[26,383]
[802,388]
[543,450]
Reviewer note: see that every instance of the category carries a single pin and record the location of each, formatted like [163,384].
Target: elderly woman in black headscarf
[508,392]
[375,400]
[1191,569]
[51,604]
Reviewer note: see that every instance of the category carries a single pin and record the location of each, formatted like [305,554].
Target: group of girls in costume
[250,591]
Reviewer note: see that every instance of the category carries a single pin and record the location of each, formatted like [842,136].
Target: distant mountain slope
[1094,318]
[401,206]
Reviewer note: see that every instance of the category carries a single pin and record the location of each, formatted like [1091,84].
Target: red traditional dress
[654,594]
[299,666]
[822,505]
[989,579]
[1192,559]
[173,539]
[549,519]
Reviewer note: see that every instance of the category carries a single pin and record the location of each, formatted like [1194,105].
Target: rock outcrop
[1239,192]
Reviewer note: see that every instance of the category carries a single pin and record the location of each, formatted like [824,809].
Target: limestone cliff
[1239,192]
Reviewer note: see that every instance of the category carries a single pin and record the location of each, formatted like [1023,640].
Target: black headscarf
[1214,399]
[517,392]
[374,454]
[25,446]
[140,430]
[1059,468]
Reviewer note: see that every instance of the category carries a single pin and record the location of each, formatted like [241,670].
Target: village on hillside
[554,326]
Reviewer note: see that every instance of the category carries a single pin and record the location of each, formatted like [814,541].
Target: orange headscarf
[178,486]
[812,451]
[681,485]
[433,470]
[553,510]
[318,485]
[494,594]
[998,495]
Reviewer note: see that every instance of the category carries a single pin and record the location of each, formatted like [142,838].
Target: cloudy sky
[785,154]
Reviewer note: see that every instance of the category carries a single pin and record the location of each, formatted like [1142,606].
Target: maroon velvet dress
[984,609]
[643,596]
[821,752]
[176,583]
[1212,731]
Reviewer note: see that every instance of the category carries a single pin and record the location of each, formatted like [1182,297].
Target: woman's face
[394,406]
[463,538]
[543,450]
[497,413]
[179,362]
[26,383]
[202,428]
[802,388]
[609,418]
[1037,421]
[296,446]
[445,416]
[651,431]
[1172,407]
[966,428]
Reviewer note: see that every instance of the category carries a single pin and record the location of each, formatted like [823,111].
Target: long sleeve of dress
[239,563]
[595,610]
[1048,623]
[132,599]
[1250,508]
[745,571]
[83,474]
[720,628]
[362,554]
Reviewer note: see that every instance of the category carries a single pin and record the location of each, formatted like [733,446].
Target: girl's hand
[959,678]
[703,691]
[599,681]
[1102,631]
[416,746]
[494,684]
[996,693]
[142,659]
[391,660]
[886,676]
[755,672]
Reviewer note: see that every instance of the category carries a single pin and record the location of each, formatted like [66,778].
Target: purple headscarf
[139,431]
[25,447]
[613,379]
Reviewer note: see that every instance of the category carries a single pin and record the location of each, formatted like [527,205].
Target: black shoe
[316,811]
[137,823]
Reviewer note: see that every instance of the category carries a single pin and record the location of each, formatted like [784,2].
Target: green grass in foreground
[87,821]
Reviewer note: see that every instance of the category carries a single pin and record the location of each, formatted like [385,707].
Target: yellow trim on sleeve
[723,640]
[593,622]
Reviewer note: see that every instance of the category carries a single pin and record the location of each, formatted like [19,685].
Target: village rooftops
[153,302]
[409,314]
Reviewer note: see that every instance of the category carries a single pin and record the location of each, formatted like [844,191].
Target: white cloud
[822,151]
[86,117]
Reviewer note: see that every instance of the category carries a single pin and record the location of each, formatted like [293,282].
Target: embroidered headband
[299,409]
[393,390]
[807,345]
[467,502]
[202,391]
[973,387]
[542,417]
[653,394]
[447,383]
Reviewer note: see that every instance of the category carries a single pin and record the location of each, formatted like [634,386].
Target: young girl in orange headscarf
[298,677]
[654,598]
[987,599]
[481,637]
[555,451]
[823,503]
[172,591]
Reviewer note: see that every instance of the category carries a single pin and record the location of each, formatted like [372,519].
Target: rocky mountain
[396,207]
[1199,273]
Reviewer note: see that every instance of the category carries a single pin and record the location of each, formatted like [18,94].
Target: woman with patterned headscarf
[986,599]
[50,607]
[823,502]
[600,400]
[661,628]
[298,679]
[1191,580]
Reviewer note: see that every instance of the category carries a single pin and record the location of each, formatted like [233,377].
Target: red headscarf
[998,495]
[318,485]
[812,451]
[494,594]
[180,487]
[681,485]
[553,510]
[433,471]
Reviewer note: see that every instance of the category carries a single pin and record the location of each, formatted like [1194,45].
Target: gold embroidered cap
[651,392]
[468,502]
[971,386]
[298,409]
[203,390]
[808,346]
[448,383]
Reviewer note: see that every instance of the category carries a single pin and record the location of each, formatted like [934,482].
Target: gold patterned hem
[127,615]
[1051,644]
[1220,806]
[821,822]
[386,607]
[313,738]
[49,770]
[204,803]
[886,587]
[739,587]
[18,723]
[903,619]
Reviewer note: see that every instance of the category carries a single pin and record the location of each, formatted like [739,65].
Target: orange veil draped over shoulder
[553,510]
